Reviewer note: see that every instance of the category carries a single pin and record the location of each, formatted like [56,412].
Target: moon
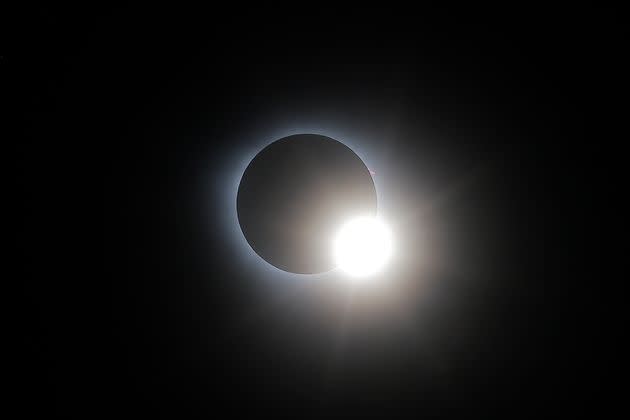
[295,195]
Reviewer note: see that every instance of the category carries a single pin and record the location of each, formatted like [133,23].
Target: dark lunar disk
[295,194]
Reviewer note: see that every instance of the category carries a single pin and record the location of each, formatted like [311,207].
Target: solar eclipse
[306,204]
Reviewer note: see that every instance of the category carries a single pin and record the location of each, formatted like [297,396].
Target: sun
[362,246]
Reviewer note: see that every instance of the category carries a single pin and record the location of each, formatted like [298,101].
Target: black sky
[133,305]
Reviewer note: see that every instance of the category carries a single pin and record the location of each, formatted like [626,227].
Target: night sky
[142,297]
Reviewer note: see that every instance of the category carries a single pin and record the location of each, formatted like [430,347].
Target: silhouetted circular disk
[295,194]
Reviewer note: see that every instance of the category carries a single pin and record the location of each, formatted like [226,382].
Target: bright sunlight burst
[362,246]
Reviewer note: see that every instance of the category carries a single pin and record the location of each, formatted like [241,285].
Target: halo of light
[362,246]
